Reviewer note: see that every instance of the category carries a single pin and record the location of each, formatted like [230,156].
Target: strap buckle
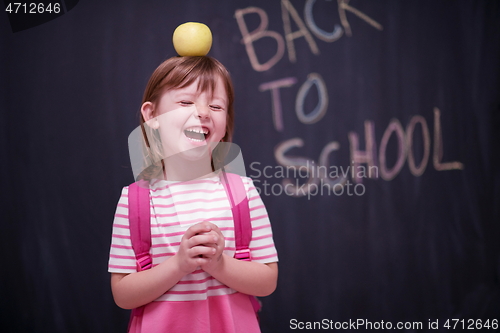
[144,262]
[243,254]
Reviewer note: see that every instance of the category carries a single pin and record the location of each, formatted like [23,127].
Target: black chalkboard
[369,127]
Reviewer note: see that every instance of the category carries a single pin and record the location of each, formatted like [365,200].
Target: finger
[202,251]
[203,240]
[196,229]
[212,226]
[215,229]
[220,237]
[211,232]
[202,261]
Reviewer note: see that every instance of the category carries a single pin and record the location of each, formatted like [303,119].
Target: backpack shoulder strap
[235,190]
[140,224]
[139,216]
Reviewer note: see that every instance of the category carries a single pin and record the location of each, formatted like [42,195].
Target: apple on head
[192,39]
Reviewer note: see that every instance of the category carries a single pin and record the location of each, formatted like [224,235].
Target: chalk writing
[250,37]
[438,147]
[417,170]
[367,156]
[274,86]
[343,6]
[288,11]
[322,172]
[394,127]
[320,109]
[320,33]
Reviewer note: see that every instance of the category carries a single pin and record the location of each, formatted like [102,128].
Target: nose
[202,112]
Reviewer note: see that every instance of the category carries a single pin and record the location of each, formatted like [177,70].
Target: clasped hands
[201,245]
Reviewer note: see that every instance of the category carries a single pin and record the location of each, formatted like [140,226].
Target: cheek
[171,120]
[221,126]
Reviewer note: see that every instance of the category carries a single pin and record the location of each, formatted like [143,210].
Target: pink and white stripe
[175,206]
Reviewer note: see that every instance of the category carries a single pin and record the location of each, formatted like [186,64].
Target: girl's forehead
[196,88]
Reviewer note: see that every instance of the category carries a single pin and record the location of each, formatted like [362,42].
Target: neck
[179,168]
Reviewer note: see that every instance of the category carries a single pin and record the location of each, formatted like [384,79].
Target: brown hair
[180,72]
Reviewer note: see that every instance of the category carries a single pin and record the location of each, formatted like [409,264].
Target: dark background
[414,248]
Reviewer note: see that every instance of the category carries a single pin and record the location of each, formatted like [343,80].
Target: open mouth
[197,133]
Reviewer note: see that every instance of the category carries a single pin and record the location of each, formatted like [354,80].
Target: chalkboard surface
[370,129]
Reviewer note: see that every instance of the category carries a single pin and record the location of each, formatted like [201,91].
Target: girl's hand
[215,257]
[198,245]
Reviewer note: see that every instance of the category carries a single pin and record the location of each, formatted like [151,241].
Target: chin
[196,154]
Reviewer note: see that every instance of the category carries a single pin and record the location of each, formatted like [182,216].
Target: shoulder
[126,190]
[251,191]
[124,193]
[152,185]
[248,183]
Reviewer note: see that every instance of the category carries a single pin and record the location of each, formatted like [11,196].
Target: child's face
[191,119]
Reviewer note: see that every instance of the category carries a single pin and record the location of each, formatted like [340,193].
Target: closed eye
[216,107]
[186,103]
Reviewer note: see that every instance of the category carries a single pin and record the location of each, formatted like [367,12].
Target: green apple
[192,39]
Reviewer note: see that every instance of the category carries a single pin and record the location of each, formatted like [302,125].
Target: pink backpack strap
[140,225]
[235,190]
[139,216]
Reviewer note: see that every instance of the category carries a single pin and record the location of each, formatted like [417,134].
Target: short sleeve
[121,254]
[262,244]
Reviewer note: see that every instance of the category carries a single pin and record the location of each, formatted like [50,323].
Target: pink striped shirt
[175,206]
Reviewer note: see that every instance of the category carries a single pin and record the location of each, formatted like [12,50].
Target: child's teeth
[197,134]
[198,131]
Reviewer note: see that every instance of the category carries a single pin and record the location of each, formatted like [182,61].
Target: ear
[147,111]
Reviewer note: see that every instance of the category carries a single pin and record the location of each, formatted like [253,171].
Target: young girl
[195,284]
